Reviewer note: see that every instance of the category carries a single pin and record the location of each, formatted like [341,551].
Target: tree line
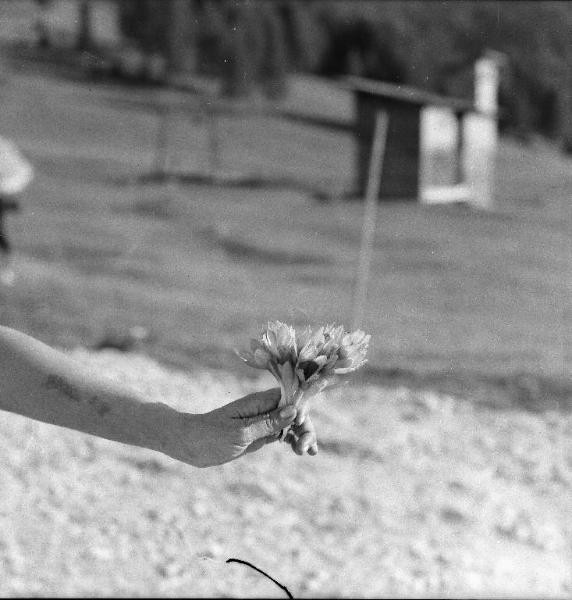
[256,44]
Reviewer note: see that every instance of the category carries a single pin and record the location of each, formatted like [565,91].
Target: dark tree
[84,33]
[272,64]
[237,67]
[42,37]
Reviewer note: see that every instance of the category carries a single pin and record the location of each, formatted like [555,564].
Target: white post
[487,83]
[482,131]
[370,215]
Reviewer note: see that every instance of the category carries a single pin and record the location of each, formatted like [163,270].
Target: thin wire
[244,562]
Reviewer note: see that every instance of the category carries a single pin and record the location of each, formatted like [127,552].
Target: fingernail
[288,412]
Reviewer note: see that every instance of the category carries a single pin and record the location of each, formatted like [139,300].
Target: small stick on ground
[244,562]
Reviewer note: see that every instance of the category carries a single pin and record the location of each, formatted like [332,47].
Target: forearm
[44,384]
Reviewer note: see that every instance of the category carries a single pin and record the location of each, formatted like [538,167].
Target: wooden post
[565,103]
[370,215]
[214,144]
[179,33]
[84,34]
[460,150]
[162,136]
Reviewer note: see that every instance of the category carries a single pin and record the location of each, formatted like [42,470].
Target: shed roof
[407,94]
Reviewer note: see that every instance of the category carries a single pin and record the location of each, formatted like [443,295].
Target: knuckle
[269,423]
[257,427]
[245,436]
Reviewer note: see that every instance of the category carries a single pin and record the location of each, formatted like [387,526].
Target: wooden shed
[402,159]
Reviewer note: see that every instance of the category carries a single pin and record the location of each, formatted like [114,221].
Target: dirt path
[412,494]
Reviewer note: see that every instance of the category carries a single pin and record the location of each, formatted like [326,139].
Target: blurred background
[200,168]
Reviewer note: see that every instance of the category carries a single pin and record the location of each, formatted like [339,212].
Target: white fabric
[16,172]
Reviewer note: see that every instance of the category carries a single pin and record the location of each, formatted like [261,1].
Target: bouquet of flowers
[306,362]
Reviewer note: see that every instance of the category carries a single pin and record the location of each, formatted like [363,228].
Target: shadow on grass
[248,181]
[244,250]
[517,390]
[147,465]
[344,448]
[158,207]
[81,169]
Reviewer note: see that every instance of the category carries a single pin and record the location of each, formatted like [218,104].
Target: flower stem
[286,399]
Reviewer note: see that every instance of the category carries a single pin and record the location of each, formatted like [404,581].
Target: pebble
[453,515]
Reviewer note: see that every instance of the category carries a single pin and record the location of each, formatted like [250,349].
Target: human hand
[238,428]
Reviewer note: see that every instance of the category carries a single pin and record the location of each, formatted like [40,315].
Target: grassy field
[455,295]
[413,493]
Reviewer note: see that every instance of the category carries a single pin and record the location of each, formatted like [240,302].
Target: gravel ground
[412,494]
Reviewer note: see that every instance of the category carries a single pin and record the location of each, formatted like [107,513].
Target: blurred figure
[16,173]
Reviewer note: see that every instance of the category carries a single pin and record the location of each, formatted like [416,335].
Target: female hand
[243,426]
[44,384]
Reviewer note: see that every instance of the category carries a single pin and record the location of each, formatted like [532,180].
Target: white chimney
[481,130]
[487,81]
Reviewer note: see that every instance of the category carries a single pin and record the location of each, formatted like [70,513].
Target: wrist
[162,427]
[175,433]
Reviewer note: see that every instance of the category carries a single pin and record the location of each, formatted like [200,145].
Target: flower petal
[303,337]
[308,360]
[308,352]
[249,359]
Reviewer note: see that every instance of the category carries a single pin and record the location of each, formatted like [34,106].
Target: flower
[306,362]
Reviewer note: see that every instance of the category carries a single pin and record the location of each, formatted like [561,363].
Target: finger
[305,442]
[270,424]
[259,443]
[304,439]
[291,439]
[306,427]
[302,415]
[254,404]
[303,445]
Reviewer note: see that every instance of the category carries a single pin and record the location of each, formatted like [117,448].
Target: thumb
[254,405]
[303,410]
[269,424]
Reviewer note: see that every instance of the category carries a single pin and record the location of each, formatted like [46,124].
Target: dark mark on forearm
[101,407]
[55,382]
